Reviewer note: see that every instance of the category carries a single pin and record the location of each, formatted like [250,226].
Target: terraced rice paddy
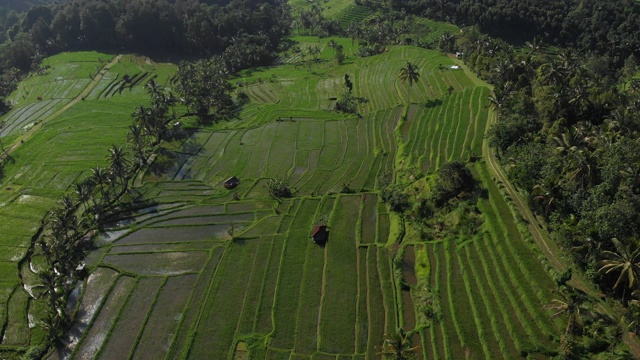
[61,131]
[206,274]
[491,291]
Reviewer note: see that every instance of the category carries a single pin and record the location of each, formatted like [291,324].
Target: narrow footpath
[548,247]
[27,135]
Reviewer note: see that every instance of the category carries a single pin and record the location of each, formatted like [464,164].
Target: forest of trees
[248,33]
[600,26]
[568,120]
[568,116]
[567,134]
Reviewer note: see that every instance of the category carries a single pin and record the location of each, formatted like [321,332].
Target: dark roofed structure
[320,234]
[231,182]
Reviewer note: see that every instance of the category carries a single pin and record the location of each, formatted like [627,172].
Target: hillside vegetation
[368,217]
[199,248]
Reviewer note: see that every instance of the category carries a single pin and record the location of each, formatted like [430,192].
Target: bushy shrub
[278,188]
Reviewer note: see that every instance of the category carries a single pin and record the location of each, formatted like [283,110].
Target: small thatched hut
[320,234]
[231,182]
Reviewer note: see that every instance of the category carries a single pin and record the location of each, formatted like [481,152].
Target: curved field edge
[549,248]
[262,294]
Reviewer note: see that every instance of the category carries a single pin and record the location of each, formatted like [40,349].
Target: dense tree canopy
[601,26]
[204,88]
[567,133]
[248,33]
[183,27]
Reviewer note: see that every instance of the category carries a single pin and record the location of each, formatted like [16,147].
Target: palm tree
[101,178]
[635,86]
[138,142]
[547,192]
[554,74]
[409,73]
[573,305]
[83,190]
[142,116]
[119,166]
[625,261]
[569,59]
[534,46]
[354,31]
[397,346]
[153,89]
[314,51]
[446,42]
[496,98]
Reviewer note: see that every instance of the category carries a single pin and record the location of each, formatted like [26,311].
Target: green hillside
[61,126]
[238,267]
[191,270]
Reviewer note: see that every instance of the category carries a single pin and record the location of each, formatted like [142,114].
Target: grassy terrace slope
[57,138]
[169,282]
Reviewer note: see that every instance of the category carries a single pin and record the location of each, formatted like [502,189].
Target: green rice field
[206,272]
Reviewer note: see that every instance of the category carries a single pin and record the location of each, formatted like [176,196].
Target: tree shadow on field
[171,161]
[432,103]
[240,241]
[188,143]
[165,161]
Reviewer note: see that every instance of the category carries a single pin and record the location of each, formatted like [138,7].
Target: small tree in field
[453,179]
[397,346]
[409,72]
[278,189]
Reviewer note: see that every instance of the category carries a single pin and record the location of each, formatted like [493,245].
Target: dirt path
[532,223]
[80,97]
[550,249]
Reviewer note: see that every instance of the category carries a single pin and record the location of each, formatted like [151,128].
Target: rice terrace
[347,207]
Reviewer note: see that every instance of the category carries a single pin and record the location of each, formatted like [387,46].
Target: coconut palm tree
[624,260]
[534,46]
[138,142]
[100,178]
[553,74]
[153,89]
[83,190]
[119,166]
[496,98]
[574,305]
[547,192]
[314,51]
[354,31]
[397,346]
[409,73]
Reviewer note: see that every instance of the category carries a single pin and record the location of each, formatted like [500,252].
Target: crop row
[123,335]
[98,287]
[537,283]
[447,131]
[500,298]
[351,14]
[98,331]
[352,152]
[287,279]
